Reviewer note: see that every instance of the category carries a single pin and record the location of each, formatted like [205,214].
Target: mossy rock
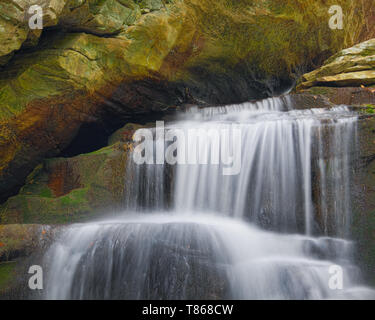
[369,109]
[7,276]
[64,190]
[19,240]
[351,67]
[93,16]
[20,247]
[350,96]
[150,4]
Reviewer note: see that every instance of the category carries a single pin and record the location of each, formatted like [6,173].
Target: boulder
[352,67]
[63,190]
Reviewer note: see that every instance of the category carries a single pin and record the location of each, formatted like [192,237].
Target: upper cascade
[293,166]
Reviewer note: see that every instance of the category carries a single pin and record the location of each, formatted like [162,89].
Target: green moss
[6,274]
[150,4]
[75,198]
[369,108]
[96,181]
[320,91]
[46,193]
[37,188]
[68,208]
[367,52]
[103,151]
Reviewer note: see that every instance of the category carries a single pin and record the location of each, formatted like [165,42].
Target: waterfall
[279,148]
[277,229]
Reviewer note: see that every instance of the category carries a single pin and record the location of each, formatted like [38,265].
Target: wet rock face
[364,196]
[139,261]
[124,57]
[351,96]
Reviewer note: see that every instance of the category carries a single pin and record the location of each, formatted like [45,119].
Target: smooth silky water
[273,231]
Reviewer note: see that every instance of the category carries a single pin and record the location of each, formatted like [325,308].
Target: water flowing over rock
[285,154]
[194,257]
[272,232]
[100,60]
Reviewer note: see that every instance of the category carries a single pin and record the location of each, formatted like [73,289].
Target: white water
[274,188]
[202,236]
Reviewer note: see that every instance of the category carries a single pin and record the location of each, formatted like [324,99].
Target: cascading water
[279,148]
[208,235]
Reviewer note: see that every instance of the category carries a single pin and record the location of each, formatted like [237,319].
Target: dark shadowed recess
[152,99]
[94,136]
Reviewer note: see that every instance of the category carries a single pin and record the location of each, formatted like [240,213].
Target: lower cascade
[264,212]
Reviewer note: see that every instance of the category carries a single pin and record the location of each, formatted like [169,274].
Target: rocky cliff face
[348,78]
[365,204]
[109,60]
